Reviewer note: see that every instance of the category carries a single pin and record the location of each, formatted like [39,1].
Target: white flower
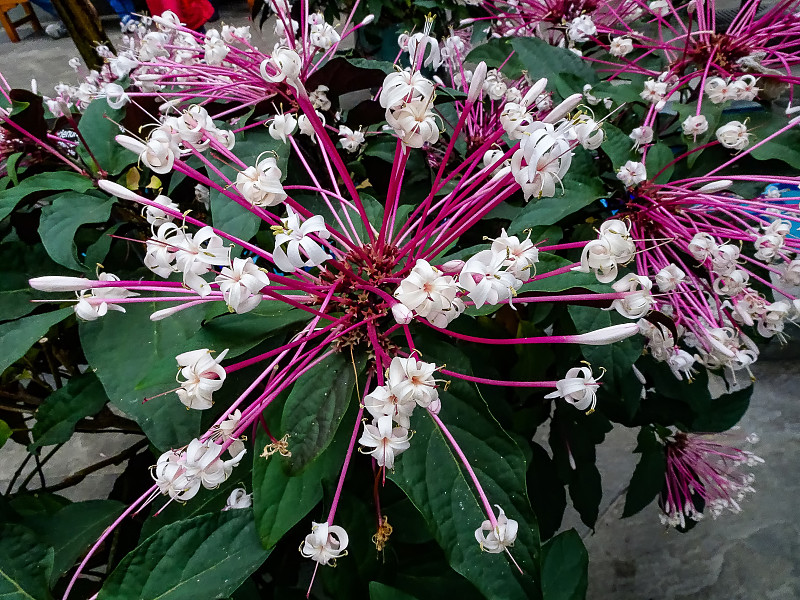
[386,440]
[203,461]
[514,118]
[659,7]
[637,301]
[287,64]
[734,135]
[772,321]
[197,254]
[235,34]
[745,88]
[654,91]
[494,85]
[94,303]
[485,281]
[733,283]
[319,98]
[597,257]
[694,126]
[412,380]
[323,36]
[307,128]
[403,86]
[115,95]
[157,217]
[294,246]
[158,153]
[282,125]
[418,44]
[430,294]
[581,28]
[152,46]
[382,402]
[669,278]
[632,173]
[547,155]
[791,272]
[701,246]
[202,376]
[500,537]
[718,90]
[768,246]
[122,64]
[261,185]
[641,136]
[621,46]
[215,48]
[325,543]
[350,140]
[172,479]
[240,285]
[238,499]
[724,259]
[680,362]
[578,387]
[414,123]
[519,256]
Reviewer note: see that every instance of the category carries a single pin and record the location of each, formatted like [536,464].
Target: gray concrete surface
[754,555]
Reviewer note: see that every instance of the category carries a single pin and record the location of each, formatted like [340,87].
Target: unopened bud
[535,91]
[120,191]
[402,314]
[452,266]
[131,143]
[476,85]
[368,19]
[56,283]
[606,335]
[562,109]
[715,186]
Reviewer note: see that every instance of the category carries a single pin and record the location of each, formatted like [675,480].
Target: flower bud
[368,19]
[55,283]
[606,335]
[562,109]
[535,91]
[120,191]
[131,143]
[402,314]
[715,186]
[476,85]
[452,266]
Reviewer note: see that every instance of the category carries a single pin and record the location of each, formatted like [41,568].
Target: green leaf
[550,499]
[25,564]
[365,63]
[434,479]
[16,337]
[61,220]
[53,181]
[226,214]
[57,416]
[565,565]
[540,59]
[658,157]
[558,283]
[496,52]
[281,498]
[5,433]
[11,167]
[579,191]
[72,529]
[724,412]
[99,130]
[205,557]
[134,358]
[22,262]
[315,408]
[617,145]
[380,591]
[648,476]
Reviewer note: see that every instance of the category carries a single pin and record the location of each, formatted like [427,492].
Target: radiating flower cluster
[704,471]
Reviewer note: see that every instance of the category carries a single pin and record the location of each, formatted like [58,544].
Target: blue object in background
[789,197]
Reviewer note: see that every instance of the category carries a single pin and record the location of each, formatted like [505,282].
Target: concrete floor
[752,555]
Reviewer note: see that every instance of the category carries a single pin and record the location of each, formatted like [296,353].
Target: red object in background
[195,13]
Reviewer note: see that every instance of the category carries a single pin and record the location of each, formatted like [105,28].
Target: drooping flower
[325,543]
[96,302]
[238,499]
[202,376]
[386,441]
[500,536]
[295,247]
[240,285]
[579,388]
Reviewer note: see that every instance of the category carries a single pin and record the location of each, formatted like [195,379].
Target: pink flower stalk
[704,472]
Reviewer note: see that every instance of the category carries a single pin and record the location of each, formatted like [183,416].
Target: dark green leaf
[565,565]
[432,476]
[558,283]
[617,145]
[58,180]
[648,476]
[57,416]
[16,337]
[658,157]
[25,564]
[724,412]
[315,408]
[72,529]
[380,591]
[205,557]
[496,52]
[98,128]
[21,262]
[579,191]
[5,433]
[550,499]
[540,59]
[11,167]
[62,218]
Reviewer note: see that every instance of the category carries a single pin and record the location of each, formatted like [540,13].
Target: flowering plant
[378,282]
